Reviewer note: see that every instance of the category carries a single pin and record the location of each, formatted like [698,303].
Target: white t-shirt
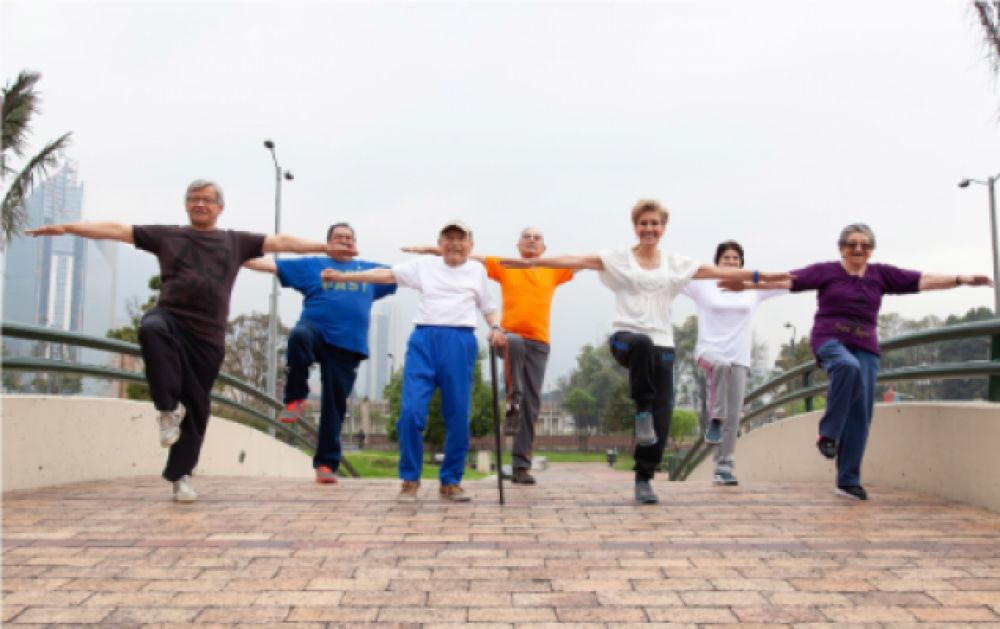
[725,320]
[449,295]
[643,299]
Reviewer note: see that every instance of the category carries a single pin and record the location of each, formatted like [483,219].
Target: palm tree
[20,104]
[988,13]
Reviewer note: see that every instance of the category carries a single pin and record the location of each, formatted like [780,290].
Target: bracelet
[958,280]
[756,277]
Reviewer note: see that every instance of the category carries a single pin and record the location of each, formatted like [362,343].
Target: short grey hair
[198,184]
[856,228]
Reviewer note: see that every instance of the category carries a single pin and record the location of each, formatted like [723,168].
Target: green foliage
[20,105]
[480,416]
[130,333]
[581,404]
[683,423]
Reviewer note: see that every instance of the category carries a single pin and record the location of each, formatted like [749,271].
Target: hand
[332,275]
[497,338]
[775,277]
[423,250]
[977,280]
[517,263]
[47,230]
[732,286]
[340,250]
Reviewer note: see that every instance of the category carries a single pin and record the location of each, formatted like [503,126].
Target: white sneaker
[183,491]
[170,426]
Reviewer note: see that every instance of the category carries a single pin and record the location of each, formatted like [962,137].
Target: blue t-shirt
[342,311]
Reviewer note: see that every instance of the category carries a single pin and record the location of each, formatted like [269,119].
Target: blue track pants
[437,358]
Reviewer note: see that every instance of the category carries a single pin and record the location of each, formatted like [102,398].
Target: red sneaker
[293,411]
[325,475]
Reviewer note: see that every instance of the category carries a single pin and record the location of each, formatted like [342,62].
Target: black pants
[651,383]
[180,368]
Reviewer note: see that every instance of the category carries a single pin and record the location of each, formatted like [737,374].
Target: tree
[130,333]
[246,354]
[582,405]
[988,14]
[682,423]
[20,105]
[691,383]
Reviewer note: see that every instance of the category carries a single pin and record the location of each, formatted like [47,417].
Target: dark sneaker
[510,422]
[725,478]
[409,491]
[454,493]
[325,475]
[854,492]
[644,493]
[644,433]
[714,432]
[827,447]
[293,411]
[522,477]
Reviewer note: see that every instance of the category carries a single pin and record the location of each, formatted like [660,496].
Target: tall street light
[990,183]
[272,332]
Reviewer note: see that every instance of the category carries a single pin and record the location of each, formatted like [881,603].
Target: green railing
[803,374]
[303,431]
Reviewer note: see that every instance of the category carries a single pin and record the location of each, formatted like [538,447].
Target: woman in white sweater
[725,345]
[645,282]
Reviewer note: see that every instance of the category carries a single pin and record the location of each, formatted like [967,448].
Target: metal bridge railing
[302,431]
[803,373]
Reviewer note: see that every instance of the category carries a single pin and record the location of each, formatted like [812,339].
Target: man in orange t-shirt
[527,304]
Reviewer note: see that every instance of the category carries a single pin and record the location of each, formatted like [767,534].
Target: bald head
[531,244]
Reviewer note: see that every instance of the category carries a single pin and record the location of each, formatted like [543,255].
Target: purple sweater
[848,305]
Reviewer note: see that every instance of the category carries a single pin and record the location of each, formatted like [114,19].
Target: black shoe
[522,477]
[827,447]
[510,422]
[854,492]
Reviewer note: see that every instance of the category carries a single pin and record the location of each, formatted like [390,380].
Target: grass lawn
[383,464]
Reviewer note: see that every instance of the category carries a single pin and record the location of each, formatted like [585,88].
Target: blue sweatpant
[338,369]
[849,404]
[437,358]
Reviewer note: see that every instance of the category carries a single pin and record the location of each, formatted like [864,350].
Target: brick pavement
[574,551]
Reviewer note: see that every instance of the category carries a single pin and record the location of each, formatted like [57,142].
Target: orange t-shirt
[527,297]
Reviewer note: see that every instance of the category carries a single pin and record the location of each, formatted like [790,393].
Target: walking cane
[496,421]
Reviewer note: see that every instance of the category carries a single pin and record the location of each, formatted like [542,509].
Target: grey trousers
[727,385]
[524,368]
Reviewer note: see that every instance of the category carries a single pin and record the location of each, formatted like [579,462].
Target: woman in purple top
[844,340]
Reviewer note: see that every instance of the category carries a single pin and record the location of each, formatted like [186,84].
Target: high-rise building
[381,355]
[61,282]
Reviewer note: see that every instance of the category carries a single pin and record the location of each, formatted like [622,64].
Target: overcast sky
[775,124]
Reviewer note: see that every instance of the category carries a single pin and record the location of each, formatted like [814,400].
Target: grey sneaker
[725,478]
[183,491]
[510,422]
[644,493]
[714,432]
[644,433]
[170,425]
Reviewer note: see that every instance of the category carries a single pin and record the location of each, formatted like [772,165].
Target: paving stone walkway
[575,551]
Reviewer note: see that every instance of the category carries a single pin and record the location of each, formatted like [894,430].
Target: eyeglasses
[531,236]
[864,246]
[197,200]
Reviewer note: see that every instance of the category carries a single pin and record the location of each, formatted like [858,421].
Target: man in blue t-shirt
[333,331]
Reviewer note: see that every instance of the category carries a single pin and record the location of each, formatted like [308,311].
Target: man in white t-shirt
[441,353]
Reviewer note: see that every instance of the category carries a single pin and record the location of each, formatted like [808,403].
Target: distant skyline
[775,124]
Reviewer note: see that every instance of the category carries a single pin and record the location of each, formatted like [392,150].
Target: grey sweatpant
[524,368]
[727,384]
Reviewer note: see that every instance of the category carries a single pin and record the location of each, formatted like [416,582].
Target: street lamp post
[272,331]
[990,183]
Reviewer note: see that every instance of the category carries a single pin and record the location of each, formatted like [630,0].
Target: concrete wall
[950,450]
[53,440]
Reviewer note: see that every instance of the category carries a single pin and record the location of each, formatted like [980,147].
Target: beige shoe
[409,491]
[454,492]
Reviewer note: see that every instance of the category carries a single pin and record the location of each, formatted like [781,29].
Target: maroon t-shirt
[848,304]
[199,269]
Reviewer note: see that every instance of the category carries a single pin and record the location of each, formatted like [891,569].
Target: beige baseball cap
[456,224]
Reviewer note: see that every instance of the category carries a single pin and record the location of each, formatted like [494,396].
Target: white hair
[856,228]
[198,184]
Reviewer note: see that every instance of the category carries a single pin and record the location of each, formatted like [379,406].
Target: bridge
[103,545]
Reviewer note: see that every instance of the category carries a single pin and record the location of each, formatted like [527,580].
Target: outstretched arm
[286,243]
[737,286]
[371,276]
[929,281]
[591,262]
[93,231]
[263,265]
[436,251]
[709,272]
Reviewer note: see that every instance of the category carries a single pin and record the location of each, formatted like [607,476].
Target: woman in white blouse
[645,282]
[725,346]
